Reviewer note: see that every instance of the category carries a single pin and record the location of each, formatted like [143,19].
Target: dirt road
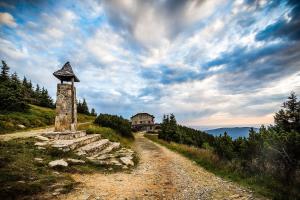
[161,174]
[30,133]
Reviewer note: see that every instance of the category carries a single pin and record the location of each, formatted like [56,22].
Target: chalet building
[143,122]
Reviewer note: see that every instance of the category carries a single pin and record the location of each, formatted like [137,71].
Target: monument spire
[66,73]
[66,107]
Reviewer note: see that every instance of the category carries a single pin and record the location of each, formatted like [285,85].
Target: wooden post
[73,117]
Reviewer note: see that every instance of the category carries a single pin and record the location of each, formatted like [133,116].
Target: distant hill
[234,132]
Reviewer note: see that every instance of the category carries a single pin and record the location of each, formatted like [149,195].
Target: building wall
[143,122]
[63,119]
[142,119]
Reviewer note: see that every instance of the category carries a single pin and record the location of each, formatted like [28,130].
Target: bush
[110,134]
[121,125]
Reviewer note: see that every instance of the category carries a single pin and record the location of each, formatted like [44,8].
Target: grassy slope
[22,176]
[262,185]
[35,117]
[110,134]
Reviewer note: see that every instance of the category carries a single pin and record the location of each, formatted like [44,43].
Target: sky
[213,63]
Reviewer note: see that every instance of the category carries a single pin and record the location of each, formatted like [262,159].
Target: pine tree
[11,98]
[4,76]
[288,118]
[284,138]
[79,107]
[93,112]
[85,109]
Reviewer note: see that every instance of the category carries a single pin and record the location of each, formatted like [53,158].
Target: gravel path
[30,133]
[161,174]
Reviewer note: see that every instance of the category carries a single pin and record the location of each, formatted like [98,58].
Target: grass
[261,184]
[36,117]
[110,134]
[22,176]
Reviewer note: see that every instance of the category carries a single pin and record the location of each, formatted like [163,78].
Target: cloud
[285,27]
[150,23]
[206,61]
[7,19]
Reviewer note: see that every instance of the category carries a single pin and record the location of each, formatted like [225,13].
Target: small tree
[93,112]
[4,76]
[223,146]
[284,138]
[288,118]
[85,108]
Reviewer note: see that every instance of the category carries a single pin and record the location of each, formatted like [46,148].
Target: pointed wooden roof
[66,73]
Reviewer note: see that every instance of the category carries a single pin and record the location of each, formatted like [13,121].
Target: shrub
[121,125]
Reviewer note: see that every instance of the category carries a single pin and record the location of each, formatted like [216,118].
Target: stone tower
[66,106]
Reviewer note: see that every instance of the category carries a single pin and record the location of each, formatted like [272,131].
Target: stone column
[64,108]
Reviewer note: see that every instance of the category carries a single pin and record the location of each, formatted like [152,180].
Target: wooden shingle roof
[66,73]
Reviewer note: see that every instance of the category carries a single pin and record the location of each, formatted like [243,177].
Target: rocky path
[30,133]
[161,174]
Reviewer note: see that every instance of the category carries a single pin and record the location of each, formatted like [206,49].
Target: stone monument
[65,137]
[66,106]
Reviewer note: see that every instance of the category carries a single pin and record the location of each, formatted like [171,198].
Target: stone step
[117,154]
[93,147]
[112,161]
[67,145]
[69,135]
[111,146]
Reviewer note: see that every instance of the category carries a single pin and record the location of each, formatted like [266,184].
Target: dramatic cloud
[211,62]
[7,19]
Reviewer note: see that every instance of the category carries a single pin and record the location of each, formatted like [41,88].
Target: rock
[41,148]
[56,163]
[105,156]
[42,138]
[127,161]
[21,181]
[38,159]
[114,162]
[41,143]
[21,126]
[234,196]
[75,161]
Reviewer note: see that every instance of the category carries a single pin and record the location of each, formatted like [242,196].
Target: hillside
[234,132]
[35,117]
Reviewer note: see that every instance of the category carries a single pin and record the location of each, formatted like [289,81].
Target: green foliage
[93,112]
[110,134]
[118,123]
[35,117]
[170,131]
[262,184]
[4,76]
[270,152]
[21,175]
[16,95]
[223,146]
[83,107]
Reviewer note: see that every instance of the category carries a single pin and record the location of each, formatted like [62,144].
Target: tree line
[272,151]
[118,123]
[84,109]
[17,94]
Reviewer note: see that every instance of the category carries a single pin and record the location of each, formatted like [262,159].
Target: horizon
[211,63]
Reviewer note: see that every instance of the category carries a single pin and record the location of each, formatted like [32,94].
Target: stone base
[66,135]
[92,147]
